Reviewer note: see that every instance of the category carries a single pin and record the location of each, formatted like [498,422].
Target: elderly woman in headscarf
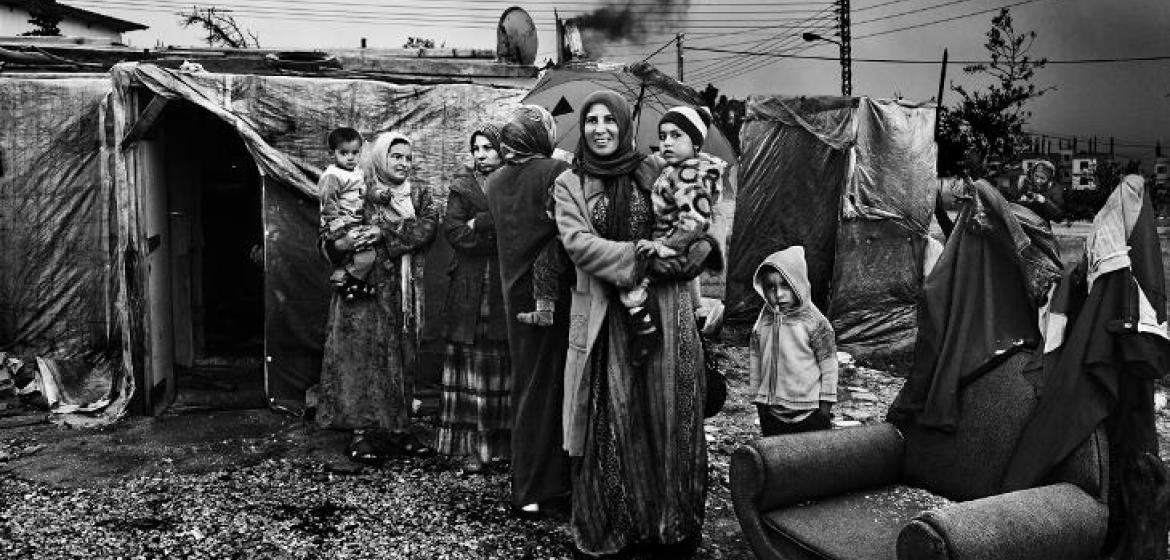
[475,420]
[371,343]
[634,432]
[519,197]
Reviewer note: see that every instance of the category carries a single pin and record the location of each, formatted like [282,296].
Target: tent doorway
[206,277]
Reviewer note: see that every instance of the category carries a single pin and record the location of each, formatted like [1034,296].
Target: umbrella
[650,92]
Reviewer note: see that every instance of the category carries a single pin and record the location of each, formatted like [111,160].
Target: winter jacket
[793,354]
[474,257]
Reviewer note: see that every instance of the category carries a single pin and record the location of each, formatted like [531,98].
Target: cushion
[857,526]
[969,463]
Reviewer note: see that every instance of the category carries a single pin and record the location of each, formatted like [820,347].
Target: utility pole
[846,50]
[678,44]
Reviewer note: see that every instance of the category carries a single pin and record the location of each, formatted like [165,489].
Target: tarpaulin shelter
[116,189]
[852,180]
[650,93]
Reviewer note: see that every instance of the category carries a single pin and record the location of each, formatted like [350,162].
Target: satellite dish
[516,37]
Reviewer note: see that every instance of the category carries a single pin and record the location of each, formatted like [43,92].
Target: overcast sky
[1130,101]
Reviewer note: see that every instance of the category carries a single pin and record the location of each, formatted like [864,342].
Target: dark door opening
[217,261]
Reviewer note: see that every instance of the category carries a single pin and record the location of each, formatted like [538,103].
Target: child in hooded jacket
[793,353]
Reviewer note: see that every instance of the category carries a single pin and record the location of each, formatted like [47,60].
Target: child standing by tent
[342,194]
[792,358]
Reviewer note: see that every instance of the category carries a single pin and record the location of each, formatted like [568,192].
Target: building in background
[75,22]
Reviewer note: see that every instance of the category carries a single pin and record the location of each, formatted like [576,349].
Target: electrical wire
[749,64]
[943,20]
[776,42]
[911,12]
[921,61]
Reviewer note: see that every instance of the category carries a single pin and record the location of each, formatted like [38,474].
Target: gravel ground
[280,489]
[279,492]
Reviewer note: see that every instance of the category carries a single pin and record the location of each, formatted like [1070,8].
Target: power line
[912,12]
[944,20]
[662,48]
[775,42]
[466,13]
[883,4]
[921,61]
[748,64]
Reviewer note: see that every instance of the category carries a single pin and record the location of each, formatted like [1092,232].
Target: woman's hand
[368,236]
[471,223]
[668,266]
[645,248]
[348,242]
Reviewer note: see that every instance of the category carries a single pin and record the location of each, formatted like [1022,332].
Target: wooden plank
[144,122]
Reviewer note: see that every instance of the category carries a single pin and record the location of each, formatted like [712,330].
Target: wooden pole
[678,45]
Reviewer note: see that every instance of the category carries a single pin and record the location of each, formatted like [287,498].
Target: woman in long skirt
[367,375]
[634,432]
[519,198]
[475,420]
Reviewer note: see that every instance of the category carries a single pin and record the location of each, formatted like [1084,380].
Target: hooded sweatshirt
[793,354]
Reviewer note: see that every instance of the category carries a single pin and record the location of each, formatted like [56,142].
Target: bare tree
[222,29]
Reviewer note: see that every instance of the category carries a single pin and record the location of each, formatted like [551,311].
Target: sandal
[362,450]
[407,445]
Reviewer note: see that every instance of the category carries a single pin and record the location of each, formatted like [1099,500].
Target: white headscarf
[376,167]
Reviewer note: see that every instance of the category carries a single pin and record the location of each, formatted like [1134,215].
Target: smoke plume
[631,21]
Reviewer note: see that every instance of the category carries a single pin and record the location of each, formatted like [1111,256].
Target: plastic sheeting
[74,252]
[283,122]
[853,180]
[55,248]
[792,174]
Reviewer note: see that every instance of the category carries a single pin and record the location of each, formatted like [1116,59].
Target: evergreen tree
[46,14]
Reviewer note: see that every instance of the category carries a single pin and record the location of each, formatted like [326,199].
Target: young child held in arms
[681,197]
[792,358]
[342,194]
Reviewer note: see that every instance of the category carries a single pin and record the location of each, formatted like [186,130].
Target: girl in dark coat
[476,414]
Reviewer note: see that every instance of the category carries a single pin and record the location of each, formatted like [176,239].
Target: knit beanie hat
[694,121]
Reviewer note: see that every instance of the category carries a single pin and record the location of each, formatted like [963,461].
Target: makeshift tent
[651,93]
[101,236]
[853,180]
[56,292]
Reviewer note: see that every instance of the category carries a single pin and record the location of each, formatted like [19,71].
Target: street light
[846,71]
[810,37]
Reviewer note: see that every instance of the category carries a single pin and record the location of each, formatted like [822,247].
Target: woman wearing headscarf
[475,418]
[526,236]
[371,343]
[635,433]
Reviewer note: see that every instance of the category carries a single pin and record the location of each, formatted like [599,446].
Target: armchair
[875,492]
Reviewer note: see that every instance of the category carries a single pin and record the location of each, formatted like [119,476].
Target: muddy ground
[257,484]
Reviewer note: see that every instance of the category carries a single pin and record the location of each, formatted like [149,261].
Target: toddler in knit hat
[682,197]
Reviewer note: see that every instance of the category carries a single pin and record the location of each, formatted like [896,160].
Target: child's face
[777,292]
[346,154]
[673,144]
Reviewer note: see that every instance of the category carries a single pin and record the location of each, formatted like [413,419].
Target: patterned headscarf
[614,170]
[530,134]
[626,158]
[488,130]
